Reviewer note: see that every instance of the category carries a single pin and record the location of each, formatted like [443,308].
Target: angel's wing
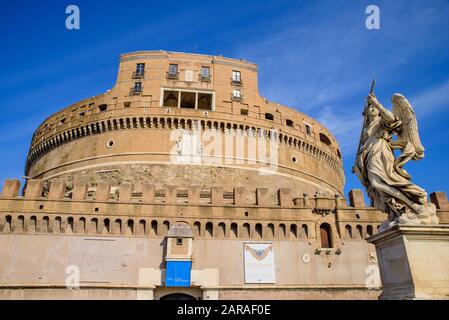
[409,133]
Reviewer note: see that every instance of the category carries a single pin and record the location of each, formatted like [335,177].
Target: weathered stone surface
[413,262]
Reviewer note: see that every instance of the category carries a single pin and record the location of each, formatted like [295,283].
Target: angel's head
[397,98]
[371,112]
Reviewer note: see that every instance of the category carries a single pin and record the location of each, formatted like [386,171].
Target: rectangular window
[173,69]
[140,68]
[205,74]
[244,112]
[205,71]
[236,76]
[308,129]
[204,101]
[188,100]
[236,93]
[138,87]
[171,98]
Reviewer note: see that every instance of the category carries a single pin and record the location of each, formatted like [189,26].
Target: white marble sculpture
[386,181]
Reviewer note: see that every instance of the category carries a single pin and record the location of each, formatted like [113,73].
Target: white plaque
[189,75]
[259,262]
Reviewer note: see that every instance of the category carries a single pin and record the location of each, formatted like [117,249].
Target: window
[244,112]
[236,76]
[308,129]
[172,71]
[102,107]
[204,101]
[188,100]
[179,242]
[289,123]
[324,139]
[269,116]
[127,104]
[137,89]
[140,70]
[236,94]
[63,121]
[205,74]
[82,114]
[326,236]
[171,99]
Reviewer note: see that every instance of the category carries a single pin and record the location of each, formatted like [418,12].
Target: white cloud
[431,100]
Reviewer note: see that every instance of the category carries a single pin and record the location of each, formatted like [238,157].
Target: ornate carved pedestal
[413,261]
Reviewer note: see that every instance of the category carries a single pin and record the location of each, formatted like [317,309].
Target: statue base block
[413,262]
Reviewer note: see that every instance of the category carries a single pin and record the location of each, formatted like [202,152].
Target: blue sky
[314,56]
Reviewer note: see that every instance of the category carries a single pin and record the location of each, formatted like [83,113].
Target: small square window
[102,107]
[244,112]
[289,123]
[236,76]
[82,114]
[236,93]
[179,242]
[127,104]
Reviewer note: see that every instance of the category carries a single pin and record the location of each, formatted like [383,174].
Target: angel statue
[386,181]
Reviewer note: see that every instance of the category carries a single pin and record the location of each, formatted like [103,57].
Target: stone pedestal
[413,261]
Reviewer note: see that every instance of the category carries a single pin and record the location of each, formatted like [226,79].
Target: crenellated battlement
[43,190]
[263,213]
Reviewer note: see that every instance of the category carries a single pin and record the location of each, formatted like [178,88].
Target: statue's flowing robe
[376,169]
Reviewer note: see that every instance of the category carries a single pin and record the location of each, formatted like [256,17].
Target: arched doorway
[326,235]
[177,296]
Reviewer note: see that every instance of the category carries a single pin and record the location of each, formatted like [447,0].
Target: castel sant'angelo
[183,182]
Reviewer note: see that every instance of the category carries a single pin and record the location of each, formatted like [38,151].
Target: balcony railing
[138,74]
[204,77]
[172,75]
[135,91]
[236,82]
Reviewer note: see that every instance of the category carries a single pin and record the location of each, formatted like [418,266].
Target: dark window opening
[171,99]
[137,87]
[140,70]
[289,122]
[244,112]
[269,116]
[325,139]
[127,104]
[308,129]
[179,242]
[188,100]
[204,101]
[102,107]
[62,121]
[82,114]
[326,236]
